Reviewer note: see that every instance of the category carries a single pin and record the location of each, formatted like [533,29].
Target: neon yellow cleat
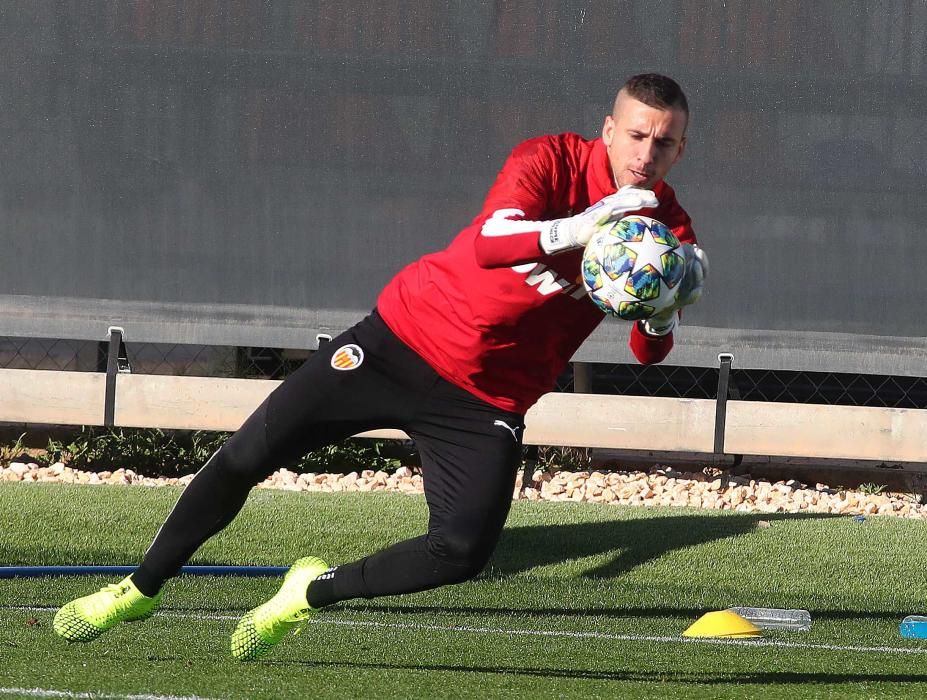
[263,627]
[86,618]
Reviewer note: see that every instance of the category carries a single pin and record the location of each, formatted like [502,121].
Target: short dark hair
[656,90]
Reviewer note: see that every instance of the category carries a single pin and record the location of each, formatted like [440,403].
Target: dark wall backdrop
[247,172]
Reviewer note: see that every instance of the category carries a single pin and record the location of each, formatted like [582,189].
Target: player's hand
[690,291]
[575,231]
[614,207]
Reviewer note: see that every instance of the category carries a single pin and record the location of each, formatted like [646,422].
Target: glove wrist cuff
[658,327]
[557,236]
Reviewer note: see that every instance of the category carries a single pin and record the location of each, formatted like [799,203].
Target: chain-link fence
[636,380]
[831,388]
[150,358]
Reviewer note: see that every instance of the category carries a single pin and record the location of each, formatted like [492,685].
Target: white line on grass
[46,693]
[554,633]
[624,637]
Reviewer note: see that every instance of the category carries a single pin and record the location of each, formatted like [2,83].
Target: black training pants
[366,378]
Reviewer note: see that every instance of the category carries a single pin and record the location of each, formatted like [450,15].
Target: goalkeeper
[461,343]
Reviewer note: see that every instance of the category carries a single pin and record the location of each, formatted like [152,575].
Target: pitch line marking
[624,637]
[559,633]
[73,695]
[554,633]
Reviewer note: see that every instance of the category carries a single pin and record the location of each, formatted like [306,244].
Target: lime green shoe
[263,627]
[86,618]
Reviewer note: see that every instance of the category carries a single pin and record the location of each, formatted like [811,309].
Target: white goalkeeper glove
[690,289]
[575,231]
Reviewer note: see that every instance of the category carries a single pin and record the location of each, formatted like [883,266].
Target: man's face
[643,142]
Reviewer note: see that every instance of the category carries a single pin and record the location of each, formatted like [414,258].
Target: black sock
[321,591]
[406,567]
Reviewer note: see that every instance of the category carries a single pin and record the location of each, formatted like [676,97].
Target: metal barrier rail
[724,428]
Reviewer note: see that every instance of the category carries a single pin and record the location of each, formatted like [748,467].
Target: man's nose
[647,152]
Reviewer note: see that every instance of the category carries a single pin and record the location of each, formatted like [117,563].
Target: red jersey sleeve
[649,349]
[520,197]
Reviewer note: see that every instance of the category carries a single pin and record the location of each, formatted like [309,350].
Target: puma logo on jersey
[347,357]
[509,428]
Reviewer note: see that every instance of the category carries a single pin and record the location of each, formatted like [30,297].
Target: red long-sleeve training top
[494,314]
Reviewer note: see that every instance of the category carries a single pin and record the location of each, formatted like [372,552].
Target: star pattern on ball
[631,267]
[650,251]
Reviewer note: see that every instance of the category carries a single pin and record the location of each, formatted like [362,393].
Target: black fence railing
[832,388]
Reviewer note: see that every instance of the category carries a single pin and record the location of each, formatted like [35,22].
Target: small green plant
[155,452]
[150,451]
[9,453]
[356,455]
[871,489]
[58,451]
[564,458]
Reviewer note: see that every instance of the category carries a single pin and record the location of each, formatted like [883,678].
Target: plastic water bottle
[776,618]
[913,627]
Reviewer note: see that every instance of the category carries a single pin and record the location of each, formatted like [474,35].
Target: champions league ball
[632,268]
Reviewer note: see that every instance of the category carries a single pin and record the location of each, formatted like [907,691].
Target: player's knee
[461,555]
[241,459]
[245,456]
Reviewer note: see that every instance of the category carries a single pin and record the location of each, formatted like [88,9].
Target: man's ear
[682,149]
[608,131]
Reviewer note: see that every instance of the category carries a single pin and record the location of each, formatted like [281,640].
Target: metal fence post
[117,361]
[582,378]
[725,360]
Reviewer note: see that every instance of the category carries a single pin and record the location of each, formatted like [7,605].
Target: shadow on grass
[634,542]
[630,613]
[693,678]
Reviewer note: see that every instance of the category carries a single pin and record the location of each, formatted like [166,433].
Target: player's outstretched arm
[690,291]
[652,340]
[649,349]
[509,237]
[575,231]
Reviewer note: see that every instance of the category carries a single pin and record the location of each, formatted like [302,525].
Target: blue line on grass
[48,571]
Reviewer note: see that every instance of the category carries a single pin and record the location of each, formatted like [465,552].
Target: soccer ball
[632,268]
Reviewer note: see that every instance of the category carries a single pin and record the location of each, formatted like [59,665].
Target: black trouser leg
[470,454]
[209,503]
[316,406]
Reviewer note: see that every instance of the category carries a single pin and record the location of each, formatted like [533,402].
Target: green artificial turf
[579,600]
